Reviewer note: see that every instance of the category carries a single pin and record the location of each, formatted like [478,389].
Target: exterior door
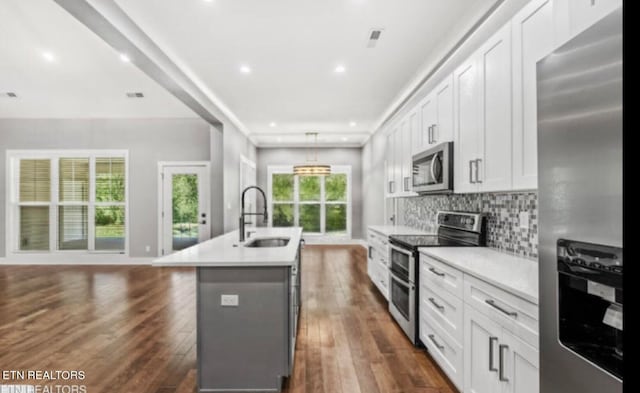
[185,206]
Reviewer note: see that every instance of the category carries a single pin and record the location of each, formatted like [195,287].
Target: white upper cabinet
[442,130]
[532,40]
[427,119]
[409,139]
[398,148]
[493,162]
[391,169]
[466,108]
[584,13]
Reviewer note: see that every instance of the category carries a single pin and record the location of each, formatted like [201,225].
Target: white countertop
[226,250]
[511,273]
[389,230]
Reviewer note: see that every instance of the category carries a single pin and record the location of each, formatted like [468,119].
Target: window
[319,204]
[68,201]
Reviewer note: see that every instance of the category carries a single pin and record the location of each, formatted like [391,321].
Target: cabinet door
[584,13]
[532,40]
[520,365]
[391,169]
[397,147]
[443,96]
[428,118]
[416,130]
[409,125]
[466,101]
[480,353]
[494,161]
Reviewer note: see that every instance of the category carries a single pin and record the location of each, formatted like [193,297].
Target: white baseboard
[107,259]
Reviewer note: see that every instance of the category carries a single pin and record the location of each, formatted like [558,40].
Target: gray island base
[247,310]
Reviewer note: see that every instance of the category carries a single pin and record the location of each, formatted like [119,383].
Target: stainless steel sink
[266,242]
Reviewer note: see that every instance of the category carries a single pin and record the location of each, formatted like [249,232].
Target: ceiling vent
[11,94]
[135,94]
[374,37]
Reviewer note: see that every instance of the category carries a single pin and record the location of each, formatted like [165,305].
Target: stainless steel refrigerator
[580,206]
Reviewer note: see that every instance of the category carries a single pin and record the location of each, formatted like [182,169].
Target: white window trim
[318,236]
[12,203]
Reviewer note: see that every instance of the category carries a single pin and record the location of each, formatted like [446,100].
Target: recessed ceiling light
[345,139]
[279,139]
[245,69]
[340,69]
[272,124]
[124,58]
[48,56]
[352,124]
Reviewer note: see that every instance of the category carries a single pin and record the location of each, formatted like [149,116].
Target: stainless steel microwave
[433,170]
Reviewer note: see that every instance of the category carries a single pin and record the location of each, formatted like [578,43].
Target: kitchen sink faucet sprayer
[243,214]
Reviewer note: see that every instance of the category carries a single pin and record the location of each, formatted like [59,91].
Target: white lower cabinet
[483,338]
[377,268]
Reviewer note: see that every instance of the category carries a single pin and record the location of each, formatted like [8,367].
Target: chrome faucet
[243,214]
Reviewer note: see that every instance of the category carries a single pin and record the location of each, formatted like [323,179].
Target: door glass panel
[73,227]
[185,210]
[109,228]
[310,218]
[283,215]
[34,228]
[336,219]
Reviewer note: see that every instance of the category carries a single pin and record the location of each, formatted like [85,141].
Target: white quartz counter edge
[515,275]
[388,230]
[227,251]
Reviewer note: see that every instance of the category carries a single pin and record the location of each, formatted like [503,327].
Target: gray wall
[235,144]
[332,156]
[148,141]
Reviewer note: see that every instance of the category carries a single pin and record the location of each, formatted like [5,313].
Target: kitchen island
[247,308]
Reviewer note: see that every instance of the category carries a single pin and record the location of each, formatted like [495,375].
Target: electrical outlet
[147,248]
[229,300]
[523,219]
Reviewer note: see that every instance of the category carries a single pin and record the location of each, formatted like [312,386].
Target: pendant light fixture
[311,167]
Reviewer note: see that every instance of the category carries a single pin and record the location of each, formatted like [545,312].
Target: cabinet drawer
[515,314]
[444,309]
[440,275]
[445,352]
[383,279]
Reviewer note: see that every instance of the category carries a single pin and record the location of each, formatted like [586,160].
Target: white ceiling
[87,79]
[293,47]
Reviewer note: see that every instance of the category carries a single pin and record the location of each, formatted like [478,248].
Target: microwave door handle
[431,169]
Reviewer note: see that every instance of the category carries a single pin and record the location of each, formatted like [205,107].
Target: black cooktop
[414,241]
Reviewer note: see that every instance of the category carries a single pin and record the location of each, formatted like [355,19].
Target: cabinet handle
[493,304]
[491,366]
[430,134]
[501,353]
[478,161]
[471,162]
[438,306]
[437,273]
[392,186]
[433,340]
[433,133]
[406,183]
[370,252]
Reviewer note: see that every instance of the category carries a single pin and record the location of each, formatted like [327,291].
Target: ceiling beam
[107,20]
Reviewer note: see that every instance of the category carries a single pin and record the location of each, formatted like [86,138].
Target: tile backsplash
[502,211]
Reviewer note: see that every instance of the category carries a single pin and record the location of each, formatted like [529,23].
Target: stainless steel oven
[402,289]
[433,169]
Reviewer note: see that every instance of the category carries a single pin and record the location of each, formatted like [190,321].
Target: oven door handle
[402,250]
[402,282]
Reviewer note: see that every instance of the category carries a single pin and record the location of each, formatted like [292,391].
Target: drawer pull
[437,273]
[433,340]
[501,372]
[438,306]
[493,304]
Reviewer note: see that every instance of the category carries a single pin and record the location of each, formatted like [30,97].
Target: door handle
[478,161]
[433,133]
[438,306]
[429,135]
[203,222]
[471,171]
[433,340]
[406,183]
[437,273]
[491,366]
[501,376]
[493,304]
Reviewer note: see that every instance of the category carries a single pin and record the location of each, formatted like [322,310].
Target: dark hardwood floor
[132,329]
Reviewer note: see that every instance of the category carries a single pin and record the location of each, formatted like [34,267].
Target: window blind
[34,228]
[74,179]
[35,181]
